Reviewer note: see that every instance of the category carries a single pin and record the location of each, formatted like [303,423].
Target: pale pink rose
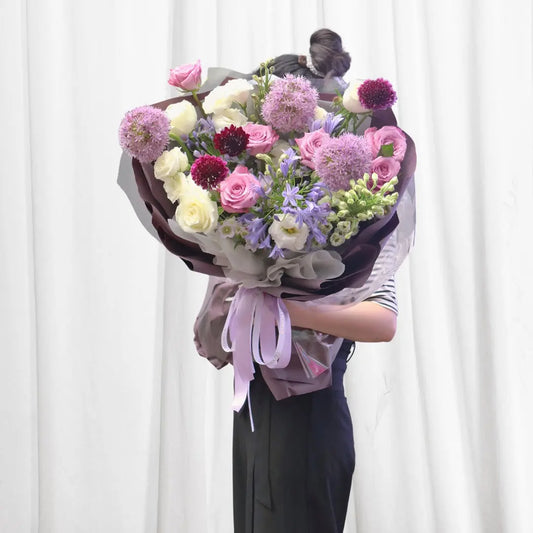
[186,77]
[386,135]
[309,144]
[386,168]
[261,138]
[239,191]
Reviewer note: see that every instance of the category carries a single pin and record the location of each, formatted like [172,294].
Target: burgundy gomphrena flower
[143,133]
[342,159]
[376,94]
[231,140]
[208,171]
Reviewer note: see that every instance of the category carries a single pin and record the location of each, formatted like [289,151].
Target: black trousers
[293,473]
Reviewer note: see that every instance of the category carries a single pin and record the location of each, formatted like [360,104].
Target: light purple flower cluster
[143,133]
[300,201]
[290,104]
[342,159]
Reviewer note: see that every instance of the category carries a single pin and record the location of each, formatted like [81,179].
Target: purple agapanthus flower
[256,230]
[286,164]
[275,252]
[291,195]
[143,133]
[328,125]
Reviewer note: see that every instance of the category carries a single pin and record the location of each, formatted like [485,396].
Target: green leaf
[387,150]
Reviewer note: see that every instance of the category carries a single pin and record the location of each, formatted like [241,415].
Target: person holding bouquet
[293,472]
[299,205]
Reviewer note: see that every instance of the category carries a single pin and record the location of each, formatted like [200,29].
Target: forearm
[363,322]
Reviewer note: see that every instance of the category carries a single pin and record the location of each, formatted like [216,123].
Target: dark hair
[330,61]
[327,53]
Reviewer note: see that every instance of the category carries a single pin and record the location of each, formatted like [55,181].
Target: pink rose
[387,135]
[261,138]
[309,144]
[239,191]
[186,77]
[386,168]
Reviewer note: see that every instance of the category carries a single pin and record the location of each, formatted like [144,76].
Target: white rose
[196,212]
[169,163]
[287,233]
[238,90]
[217,101]
[227,118]
[182,117]
[175,185]
[350,98]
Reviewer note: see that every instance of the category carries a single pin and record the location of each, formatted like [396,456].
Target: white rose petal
[169,163]
[217,101]
[182,117]
[287,233]
[350,98]
[238,90]
[175,185]
[196,212]
[227,118]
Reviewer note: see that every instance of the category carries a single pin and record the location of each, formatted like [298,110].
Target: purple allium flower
[376,94]
[208,171]
[143,133]
[290,104]
[342,159]
[231,140]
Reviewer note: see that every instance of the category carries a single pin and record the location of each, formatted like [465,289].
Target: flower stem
[183,146]
[197,100]
[360,119]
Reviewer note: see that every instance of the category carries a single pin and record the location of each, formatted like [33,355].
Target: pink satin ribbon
[258,328]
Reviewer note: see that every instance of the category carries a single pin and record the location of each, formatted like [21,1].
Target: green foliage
[363,201]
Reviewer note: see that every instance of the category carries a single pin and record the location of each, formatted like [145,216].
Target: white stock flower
[170,162]
[182,117]
[350,98]
[196,212]
[227,118]
[287,233]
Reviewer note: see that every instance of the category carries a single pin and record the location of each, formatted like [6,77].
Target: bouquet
[257,181]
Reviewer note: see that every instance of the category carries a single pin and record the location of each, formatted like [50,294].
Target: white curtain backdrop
[110,422]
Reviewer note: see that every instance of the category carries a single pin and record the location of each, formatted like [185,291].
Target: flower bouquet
[285,192]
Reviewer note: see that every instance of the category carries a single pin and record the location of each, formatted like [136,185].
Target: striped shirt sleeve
[386,296]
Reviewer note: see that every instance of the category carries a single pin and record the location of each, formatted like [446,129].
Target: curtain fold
[110,422]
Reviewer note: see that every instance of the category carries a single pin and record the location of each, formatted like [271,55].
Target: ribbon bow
[258,328]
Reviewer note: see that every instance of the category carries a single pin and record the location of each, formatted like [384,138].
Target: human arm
[364,322]
[373,320]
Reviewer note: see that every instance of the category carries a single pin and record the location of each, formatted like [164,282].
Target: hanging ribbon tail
[257,329]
